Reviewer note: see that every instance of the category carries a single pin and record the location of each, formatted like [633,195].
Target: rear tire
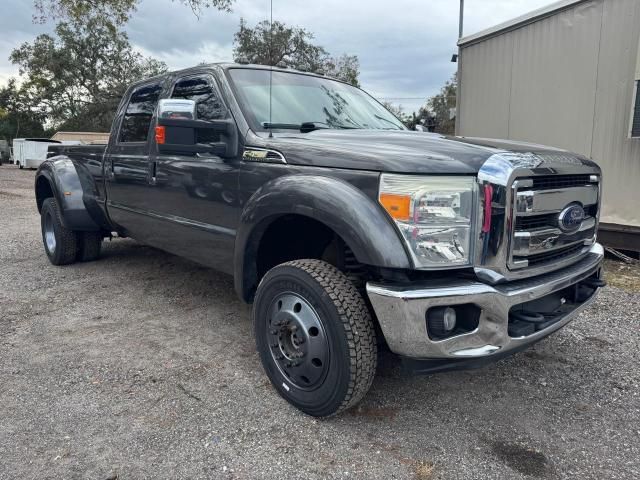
[89,245]
[315,336]
[60,243]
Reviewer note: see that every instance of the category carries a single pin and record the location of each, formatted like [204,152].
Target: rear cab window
[136,121]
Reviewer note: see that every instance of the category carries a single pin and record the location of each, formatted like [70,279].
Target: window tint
[208,104]
[137,118]
[291,99]
[201,90]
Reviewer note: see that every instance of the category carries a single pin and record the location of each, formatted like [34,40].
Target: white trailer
[31,152]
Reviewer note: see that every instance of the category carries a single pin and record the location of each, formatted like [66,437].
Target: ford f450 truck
[346,231]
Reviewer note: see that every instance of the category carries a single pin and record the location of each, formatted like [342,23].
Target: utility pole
[461,22]
[457,59]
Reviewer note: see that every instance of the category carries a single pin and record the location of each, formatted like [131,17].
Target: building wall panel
[570,85]
[487,68]
[553,79]
[618,154]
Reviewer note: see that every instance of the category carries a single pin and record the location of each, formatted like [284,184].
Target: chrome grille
[538,237]
[554,181]
[548,257]
[549,220]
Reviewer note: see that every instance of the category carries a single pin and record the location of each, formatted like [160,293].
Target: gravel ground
[142,365]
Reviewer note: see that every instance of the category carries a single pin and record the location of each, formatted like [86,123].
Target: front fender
[356,218]
[64,183]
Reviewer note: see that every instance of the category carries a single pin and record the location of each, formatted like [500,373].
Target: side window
[209,106]
[137,117]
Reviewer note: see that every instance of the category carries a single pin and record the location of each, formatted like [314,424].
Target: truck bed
[76,150]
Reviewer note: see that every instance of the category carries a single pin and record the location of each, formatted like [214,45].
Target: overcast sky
[404,46]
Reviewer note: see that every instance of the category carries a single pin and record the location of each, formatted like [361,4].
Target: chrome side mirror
[177,108]
[178,126]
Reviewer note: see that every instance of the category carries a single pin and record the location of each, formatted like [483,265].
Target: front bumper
[401,311]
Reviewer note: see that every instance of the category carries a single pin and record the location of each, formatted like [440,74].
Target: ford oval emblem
[571,218]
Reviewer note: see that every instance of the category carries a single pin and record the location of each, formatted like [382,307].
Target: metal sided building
[567,75]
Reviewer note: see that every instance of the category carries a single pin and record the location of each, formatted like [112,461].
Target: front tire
[60,243]
[315,336]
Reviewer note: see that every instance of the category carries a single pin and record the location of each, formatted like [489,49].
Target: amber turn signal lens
[160,135]
[396,205]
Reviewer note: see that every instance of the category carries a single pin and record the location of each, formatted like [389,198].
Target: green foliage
[280,45]
[15,118]
[116,11]
[76,79]
[443,106]
[437,114]
[397,111]
[345,67]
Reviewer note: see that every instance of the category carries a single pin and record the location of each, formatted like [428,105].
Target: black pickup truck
[346,231]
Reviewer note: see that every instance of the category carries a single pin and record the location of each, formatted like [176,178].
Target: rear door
[127,163]
[196,194]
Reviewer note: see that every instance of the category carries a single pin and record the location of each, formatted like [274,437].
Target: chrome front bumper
[401,311]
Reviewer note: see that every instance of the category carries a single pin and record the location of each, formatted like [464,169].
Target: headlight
[434,215]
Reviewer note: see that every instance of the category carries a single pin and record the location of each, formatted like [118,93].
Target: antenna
[271,71]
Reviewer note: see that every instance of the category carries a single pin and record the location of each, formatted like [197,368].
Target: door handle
[110,173]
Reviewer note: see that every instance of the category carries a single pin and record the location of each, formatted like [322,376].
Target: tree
[397,111]
[15,118]
[278,44]
[116,11]
[77,78]
[443,107]
[345,67]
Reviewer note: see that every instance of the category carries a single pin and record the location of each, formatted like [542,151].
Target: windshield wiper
[388,121]
[304,127]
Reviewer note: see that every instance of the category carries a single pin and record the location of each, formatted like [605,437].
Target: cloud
[404,46]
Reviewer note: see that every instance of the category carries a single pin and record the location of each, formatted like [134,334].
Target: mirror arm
[222,126]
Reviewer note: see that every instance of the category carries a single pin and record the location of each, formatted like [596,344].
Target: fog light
[441,321]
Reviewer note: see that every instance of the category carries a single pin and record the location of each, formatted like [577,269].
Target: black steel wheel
[315,336]
[60,243]
[298,342]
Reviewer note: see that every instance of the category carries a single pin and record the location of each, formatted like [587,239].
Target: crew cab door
[196,194]
[127,163]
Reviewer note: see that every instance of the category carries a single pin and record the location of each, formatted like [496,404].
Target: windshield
[299,100]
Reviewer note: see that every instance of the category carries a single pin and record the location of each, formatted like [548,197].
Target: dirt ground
[142,365]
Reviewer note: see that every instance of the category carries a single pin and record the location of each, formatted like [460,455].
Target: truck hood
[394,151]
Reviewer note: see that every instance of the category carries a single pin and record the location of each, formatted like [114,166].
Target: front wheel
[315,336]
